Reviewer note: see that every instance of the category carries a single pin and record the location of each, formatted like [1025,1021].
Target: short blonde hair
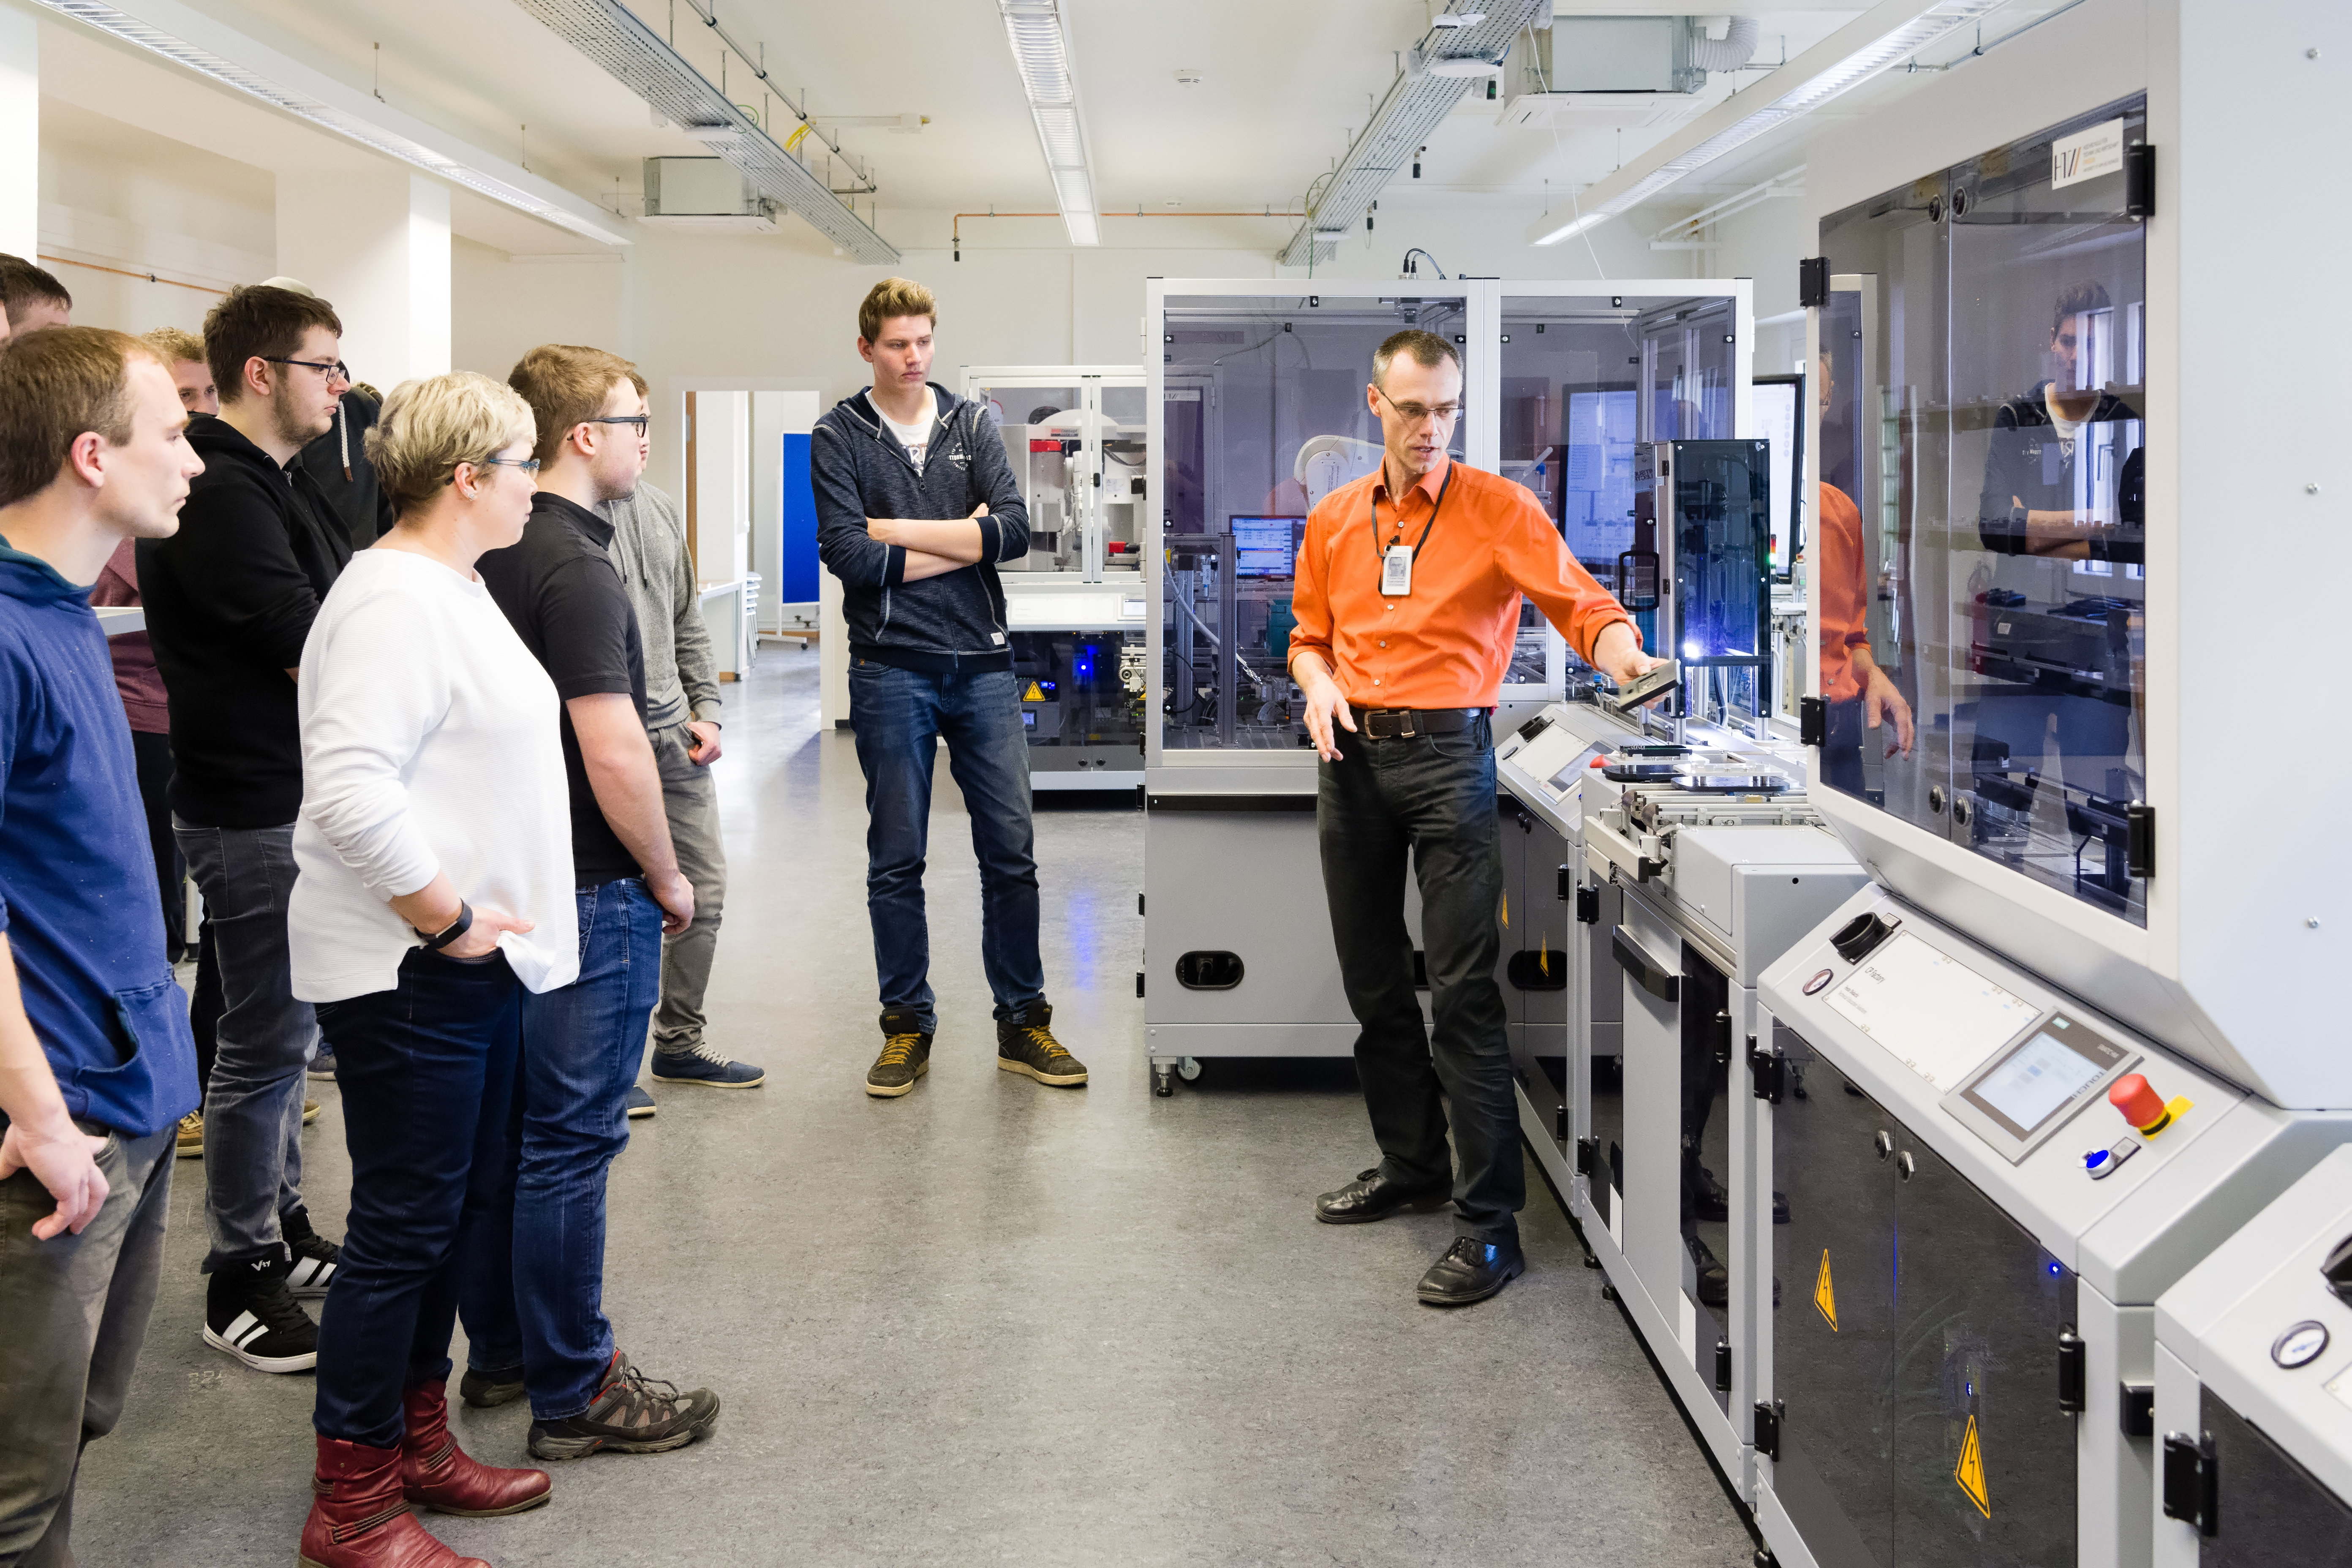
[429,427]
[175,345]
[894,297]
[566,386]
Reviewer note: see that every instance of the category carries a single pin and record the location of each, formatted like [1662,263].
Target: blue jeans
[899,716]
[253,1105]
[1431,798]
[427,1077]
[534,1290]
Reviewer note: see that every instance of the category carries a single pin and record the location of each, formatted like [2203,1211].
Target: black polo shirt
[565,599]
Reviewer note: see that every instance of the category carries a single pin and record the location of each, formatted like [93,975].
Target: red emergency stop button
[2141,1105]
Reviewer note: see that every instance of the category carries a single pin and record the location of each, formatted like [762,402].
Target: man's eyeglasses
[338,371]
[640,421]
[528,465]
[1415,412]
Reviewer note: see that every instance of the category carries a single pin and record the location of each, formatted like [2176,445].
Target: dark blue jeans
[534,1287]
[899,716]
[427,1077]
[1432,797]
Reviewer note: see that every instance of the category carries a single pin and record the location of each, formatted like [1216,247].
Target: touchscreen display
[2049,1071]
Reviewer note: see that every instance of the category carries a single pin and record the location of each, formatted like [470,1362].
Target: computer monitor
[1266,546]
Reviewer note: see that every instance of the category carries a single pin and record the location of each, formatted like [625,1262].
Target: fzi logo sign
[2086,155]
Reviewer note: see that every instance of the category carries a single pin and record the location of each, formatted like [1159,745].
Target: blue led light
[2056,1271]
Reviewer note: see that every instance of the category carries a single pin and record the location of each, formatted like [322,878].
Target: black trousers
[1431,798]
[151,755]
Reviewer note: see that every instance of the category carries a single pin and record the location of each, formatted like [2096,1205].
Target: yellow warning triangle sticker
[1969,1471]
[1543,955]
[1506,909]
[1033,694]
[1825,1293]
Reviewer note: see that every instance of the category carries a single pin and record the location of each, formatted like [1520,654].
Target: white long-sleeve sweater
[429,743]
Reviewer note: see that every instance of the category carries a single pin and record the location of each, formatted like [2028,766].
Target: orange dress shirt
[1845,596]
[1448,643]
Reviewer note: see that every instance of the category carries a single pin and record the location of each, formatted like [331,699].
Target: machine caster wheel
[1764,1558]
[1591,1261]
[1189,1069]
[1608,1291]
[1163,1081]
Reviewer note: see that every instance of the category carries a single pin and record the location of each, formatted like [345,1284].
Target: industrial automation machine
[1075,605]
[2253,1416]
[1257,410]
[2082,1028]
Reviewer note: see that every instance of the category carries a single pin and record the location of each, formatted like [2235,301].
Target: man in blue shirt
[97,1065]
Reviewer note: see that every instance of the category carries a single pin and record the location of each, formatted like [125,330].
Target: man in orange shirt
[1407,601]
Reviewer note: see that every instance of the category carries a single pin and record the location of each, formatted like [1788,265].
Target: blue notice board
[796,573]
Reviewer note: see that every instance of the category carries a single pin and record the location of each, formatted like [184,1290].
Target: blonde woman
[436,889]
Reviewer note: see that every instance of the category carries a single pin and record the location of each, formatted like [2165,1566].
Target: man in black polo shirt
[534,1290]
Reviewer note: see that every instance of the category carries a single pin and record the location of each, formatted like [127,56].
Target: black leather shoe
[1470,1271]
[1372,1196]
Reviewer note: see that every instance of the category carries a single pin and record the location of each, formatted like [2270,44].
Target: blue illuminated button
[2101,1162]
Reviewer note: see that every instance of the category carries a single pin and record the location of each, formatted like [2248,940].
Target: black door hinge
[1138,904]
[1812,721]
[1139,983]
[2139,180]
[2140,845]
[1587,906]
[2192,1481]
[1723,1366]
[1585,1150]
[2137,1410]
[1767,1067]
[1560,1124]
[1563,885]
[1722,1022]
[1768,1429]
[1814,280]
[2074,1371]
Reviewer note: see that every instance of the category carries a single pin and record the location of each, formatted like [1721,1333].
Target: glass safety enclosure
[1074,436]
[1980,560]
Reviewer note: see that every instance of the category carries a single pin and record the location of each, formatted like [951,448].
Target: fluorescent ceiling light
[1039,31]
[196,42]
[1885,35]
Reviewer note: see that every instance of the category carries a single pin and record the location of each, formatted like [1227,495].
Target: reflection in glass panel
[1043,431]
[1265,415]
[1983,567]
[1124,431]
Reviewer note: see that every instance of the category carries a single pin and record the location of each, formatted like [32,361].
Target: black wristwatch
[455,929]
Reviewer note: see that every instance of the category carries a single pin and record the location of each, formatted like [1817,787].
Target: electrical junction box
[708,195]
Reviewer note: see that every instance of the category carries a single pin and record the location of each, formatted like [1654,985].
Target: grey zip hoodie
[951,622]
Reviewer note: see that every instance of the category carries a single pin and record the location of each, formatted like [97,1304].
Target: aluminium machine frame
[2078,1032]
[1256,409]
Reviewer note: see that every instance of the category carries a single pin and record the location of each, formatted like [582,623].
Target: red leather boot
[359,1520]
[435,1473]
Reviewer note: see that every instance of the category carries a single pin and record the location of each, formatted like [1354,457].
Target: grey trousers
[692,798]
[253,1107]
[76,1309]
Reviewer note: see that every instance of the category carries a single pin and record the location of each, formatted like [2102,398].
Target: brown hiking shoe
[632,1414]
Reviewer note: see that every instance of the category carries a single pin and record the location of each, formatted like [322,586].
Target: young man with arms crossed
[96,1065]
[230,599]
[534,1290]
[1409,586]
[915,504]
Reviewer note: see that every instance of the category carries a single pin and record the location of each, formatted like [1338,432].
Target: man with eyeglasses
[1407,600]
[229,600]
[533,1299]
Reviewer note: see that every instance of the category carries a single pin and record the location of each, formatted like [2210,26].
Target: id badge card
[1396,571]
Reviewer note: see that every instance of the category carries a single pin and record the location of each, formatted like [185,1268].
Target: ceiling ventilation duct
[1417,100]
[1625,72]
[610,34]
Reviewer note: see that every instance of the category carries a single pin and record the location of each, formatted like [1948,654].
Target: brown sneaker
[632,1414]
[1025,1044]
[190,1144]
[906,1056]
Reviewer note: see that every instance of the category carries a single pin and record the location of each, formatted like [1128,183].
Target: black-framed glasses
[641,422]
[528,465]
[1415,412]
[338,371]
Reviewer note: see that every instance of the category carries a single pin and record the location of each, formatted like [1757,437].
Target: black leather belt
[1405,723]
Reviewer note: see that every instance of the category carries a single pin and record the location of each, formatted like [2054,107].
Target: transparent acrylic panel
[1123,431]
[1043,429]
[1266,415]
[1988,581]
[1721,550]
[1077,710]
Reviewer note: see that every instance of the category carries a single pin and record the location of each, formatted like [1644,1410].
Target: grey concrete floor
[990,1322]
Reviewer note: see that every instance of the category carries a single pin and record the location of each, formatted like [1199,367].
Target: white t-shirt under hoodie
[429,743]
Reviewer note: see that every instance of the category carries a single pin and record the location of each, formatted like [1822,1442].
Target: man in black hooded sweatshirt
[229,601]
[916,503]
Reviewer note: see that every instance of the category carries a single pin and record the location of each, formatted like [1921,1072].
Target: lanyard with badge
[1396,560]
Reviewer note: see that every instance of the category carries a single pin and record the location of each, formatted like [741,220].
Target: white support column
[375,244]
[20,132]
